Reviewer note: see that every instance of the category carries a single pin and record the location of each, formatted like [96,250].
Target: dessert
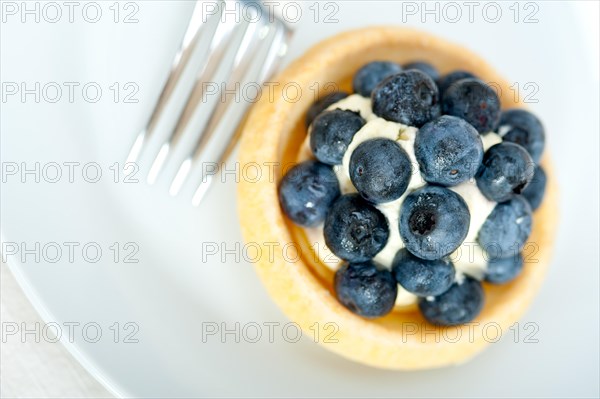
[389,192]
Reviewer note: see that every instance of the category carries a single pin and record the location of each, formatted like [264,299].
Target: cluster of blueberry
[452,112]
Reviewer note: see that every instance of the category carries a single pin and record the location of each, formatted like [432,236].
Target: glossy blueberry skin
[473,101]
[449,151]
[331,133]
[524,128]
[534,192]
[322,104]
[372,74]
[422,277]
[365,290]
[425,68]
[380,170]
[505,171]
[433,222]
[447,80]
[307,191]
[503,270]
[506,229]
[355,230]
[410,97]
[459,305]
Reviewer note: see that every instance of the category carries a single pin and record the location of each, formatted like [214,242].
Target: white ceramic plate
[176,290]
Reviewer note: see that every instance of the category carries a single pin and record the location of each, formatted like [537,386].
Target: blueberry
[503,270]
[473,101]
[380,170]
[506,229]
[365,290]
[410,97]
[422,277]
[534,192]
[447,80]
[524,128]
[331,133]
[322,104]
[449,151]
[505,171]
[423,67]
[307,191]
[372,74]
[355,230]
[459,305]
[433,222]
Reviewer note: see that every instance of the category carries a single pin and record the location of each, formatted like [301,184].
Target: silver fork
[269,30]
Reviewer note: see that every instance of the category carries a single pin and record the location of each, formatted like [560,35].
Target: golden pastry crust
[302,287]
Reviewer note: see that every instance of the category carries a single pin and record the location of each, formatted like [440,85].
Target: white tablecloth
[36,370]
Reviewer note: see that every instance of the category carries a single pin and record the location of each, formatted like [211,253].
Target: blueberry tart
[412,208]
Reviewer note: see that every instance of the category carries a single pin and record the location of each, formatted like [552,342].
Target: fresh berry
[447,80]
[422,277]
[307,191]
[460,304]
[380,170]
[372,74]
[506,229]
[473,101]
[503,270]
[534,192]
[365,290]
[354,230]
[410,97]
[322,104]
[433,222]
[449,151]
[331,133]
[524,128]
[505,171]
[425,68]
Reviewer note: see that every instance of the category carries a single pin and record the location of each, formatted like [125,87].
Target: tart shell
[294,277]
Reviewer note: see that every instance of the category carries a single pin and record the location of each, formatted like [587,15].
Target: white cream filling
[469,258]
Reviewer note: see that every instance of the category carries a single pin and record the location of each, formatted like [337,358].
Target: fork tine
[275,54]
[277,51]
[216,52]
[178,65]
[242,60]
